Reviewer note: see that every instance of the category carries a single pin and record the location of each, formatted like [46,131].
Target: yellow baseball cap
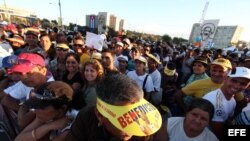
[224,63]
[139,119]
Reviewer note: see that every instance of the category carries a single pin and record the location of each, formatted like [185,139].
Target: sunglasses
[20,61]
[78,45]
[47,98]
[61,49]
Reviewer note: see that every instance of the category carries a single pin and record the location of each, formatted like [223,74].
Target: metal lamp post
[61,23]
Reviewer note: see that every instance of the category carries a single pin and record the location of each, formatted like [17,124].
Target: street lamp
[60,13]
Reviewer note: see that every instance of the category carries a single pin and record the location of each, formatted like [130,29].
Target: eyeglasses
[78,45]
[61,49]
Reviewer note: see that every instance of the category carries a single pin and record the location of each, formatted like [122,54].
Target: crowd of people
[55,87]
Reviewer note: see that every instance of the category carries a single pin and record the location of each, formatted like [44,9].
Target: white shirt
[156,78]
[5,50]
[247,108]
[176,131]
[18,91]
[223,108]
[149,86]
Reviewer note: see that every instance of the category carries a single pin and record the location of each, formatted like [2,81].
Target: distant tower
[204,13]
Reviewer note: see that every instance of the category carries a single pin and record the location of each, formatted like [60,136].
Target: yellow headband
[139,119]
[169,72]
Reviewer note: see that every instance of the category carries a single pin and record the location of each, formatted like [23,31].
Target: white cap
[122,58]
[240,72]
[119,44]
[96,55]
[142,59]
[127,41]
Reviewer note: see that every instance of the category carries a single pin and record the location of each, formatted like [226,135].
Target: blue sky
[172,17]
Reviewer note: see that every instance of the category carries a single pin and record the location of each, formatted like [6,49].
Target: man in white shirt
[223,98]
[153,63]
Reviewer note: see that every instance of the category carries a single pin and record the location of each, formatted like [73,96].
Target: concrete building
[114,22]
[123,25]
[13,14]
[222,35]
[226,35]
[104,19]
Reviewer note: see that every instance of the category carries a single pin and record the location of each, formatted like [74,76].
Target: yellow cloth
[84,58]
[201,87]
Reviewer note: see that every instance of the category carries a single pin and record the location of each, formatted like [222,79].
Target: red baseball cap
[27,61]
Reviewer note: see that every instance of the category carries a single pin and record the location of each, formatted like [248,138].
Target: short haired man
[32,42]
[80,49]
[223,98]
[108,59]
[153,63]
[121,113]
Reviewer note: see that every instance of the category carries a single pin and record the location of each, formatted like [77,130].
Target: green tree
[54,22]
[166,38]
[111,32]
[45,23]
[71,26]
[179,41]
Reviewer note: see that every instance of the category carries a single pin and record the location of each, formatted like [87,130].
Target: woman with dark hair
[194,126]
[73,75]
[199,66]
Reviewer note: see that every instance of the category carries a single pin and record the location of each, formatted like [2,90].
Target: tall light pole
[60,13]
[5,6]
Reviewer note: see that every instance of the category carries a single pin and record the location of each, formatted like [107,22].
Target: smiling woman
[73,75]
[92,72]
